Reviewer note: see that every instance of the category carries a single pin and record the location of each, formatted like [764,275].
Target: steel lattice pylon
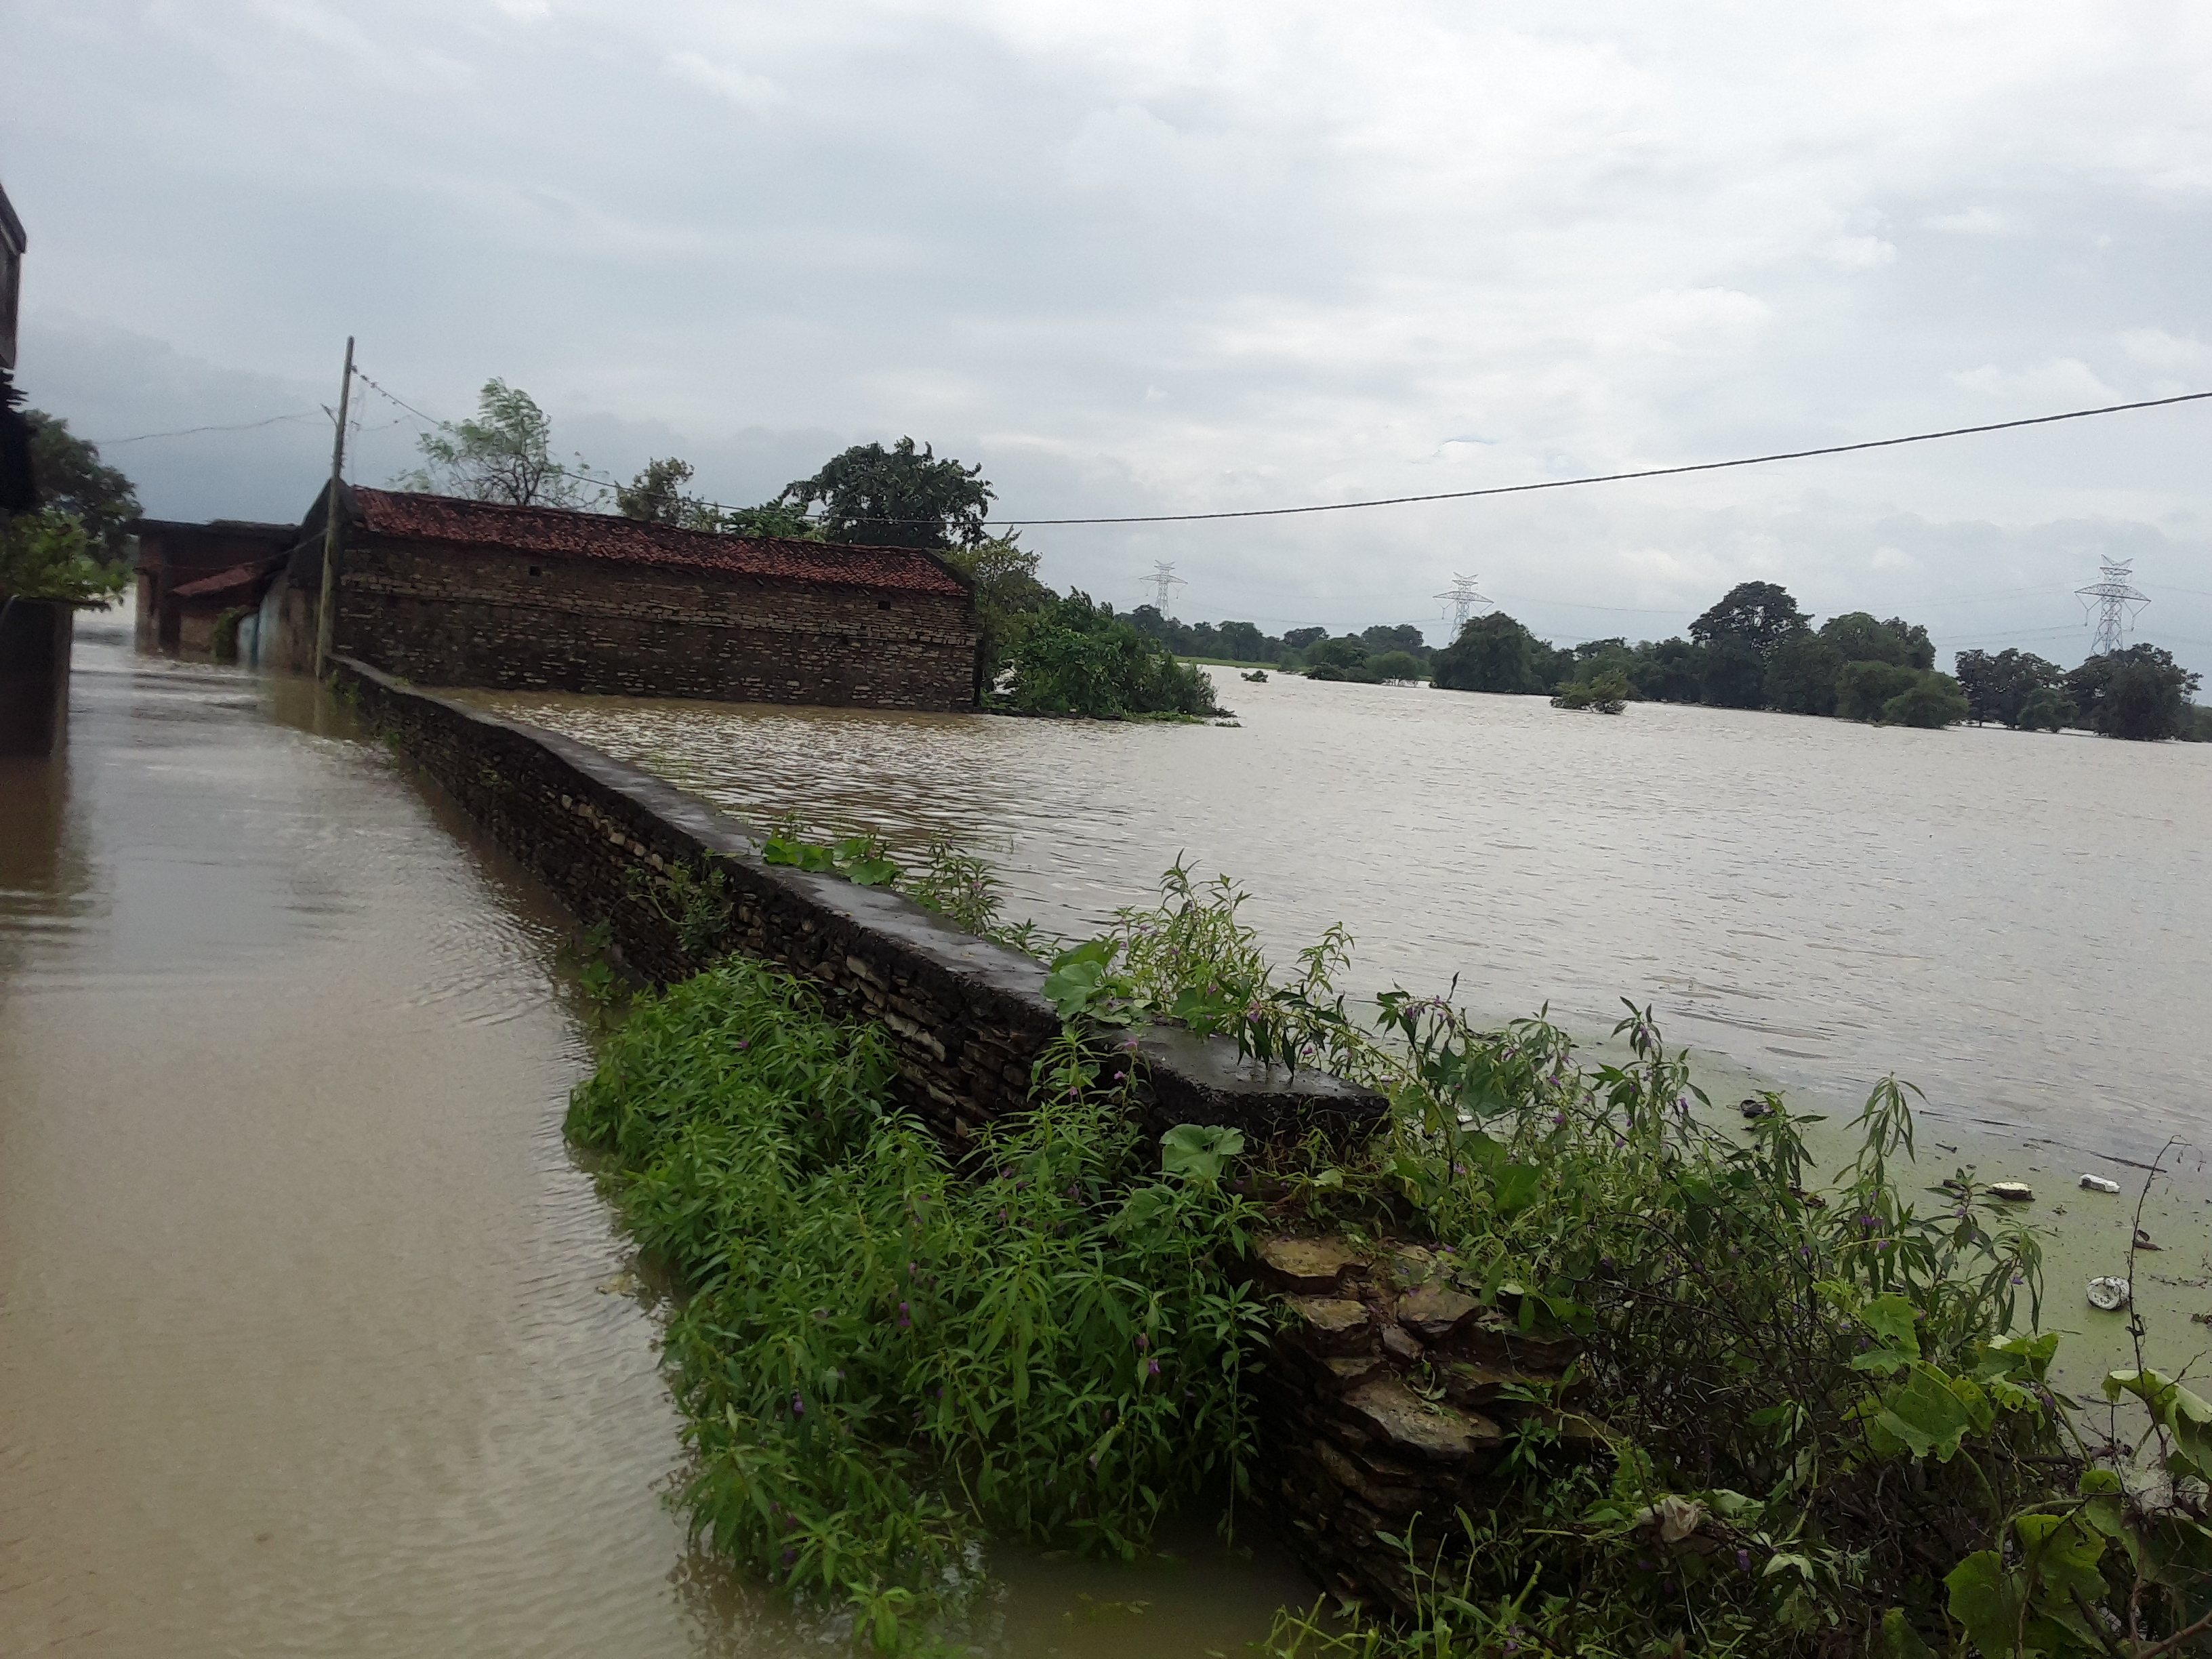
[2115,602]
[1163,581]
[1463,599]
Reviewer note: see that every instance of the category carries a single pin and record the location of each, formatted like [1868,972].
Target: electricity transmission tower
[2117,604]
[1163,581]
[1463,600]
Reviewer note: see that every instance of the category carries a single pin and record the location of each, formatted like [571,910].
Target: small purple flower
[905,1321]
[1743,1560]
[798,1406]
[1143,1342]
[1152,1368]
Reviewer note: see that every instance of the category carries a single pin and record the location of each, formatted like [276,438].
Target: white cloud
[748,91]
[1970,221]
[2060,383]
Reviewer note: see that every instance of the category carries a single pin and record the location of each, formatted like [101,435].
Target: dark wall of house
[447,616]
[170,554]
[34,665]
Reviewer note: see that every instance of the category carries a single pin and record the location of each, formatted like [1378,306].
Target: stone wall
[1387,1406]
[968,1018]
[444,615]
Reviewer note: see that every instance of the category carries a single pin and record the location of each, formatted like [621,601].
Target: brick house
[173,556]
[447,591]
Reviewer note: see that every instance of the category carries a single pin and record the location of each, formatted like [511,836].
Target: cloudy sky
[1150,258]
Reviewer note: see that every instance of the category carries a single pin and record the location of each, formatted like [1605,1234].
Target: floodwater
[304,1346]
[2021,924]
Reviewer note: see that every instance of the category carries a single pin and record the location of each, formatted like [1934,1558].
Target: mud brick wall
[967,1018]
[1386,1405]
[443,615]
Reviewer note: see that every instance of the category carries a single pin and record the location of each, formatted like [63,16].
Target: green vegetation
[504,455]
[48,556]
[1079,657]
[1829,1423]
[878,1360]
[896,497]
[1606,695]
[74,482]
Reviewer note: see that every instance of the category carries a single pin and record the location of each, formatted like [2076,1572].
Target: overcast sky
[1148,258]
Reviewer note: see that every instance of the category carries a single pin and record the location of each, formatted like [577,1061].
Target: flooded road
[303,1349]
[2021,924]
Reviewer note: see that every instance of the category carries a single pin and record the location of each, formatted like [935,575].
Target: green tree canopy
[1865,689]
[504,455]
[1801,676]
[1493,653]
[2000,688]
[1297,639]
[1858,636]
[2140,693]
[1081,659]
[897,497]
[1760,615]
[656,495]
[1009,599]
[1932,700]
[73,481]
[1397,665]
[1384,637]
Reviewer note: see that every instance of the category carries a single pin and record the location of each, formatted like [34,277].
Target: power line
[1607,477]
[189,431]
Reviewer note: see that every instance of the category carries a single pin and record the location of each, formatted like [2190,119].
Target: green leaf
[1986,1600]
[2185,1416]
[1196,1152]
[1891,1319]
[2064,1554]
[1073,987]
[1930,1412]
[1517,1185]
[1899,1640]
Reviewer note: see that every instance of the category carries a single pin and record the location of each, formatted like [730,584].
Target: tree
[2140,693]
[72,480]
[1384,637]
[1397,665]
[656,495]
[1999,688]
[1932,700]
[1759,614]
[1242,641]
[1801,677]
[48,556]
[1671,671]
[2048,709]
[1864,690]
[1297,639]
[897,497]
[1734,673]
[1081,658]
[1492,653]
[1009,599]
[1338,659]
[503,455]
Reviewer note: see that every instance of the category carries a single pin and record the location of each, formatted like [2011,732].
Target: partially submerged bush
[876,1359]
[1081,659]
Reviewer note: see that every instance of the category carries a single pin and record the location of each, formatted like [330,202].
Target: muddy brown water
[303,1343]
[2020,924]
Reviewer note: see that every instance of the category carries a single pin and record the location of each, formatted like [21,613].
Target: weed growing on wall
[1826,1406]
[878,1361]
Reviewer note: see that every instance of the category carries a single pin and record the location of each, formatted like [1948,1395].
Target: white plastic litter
[2098,1184]
[2110,1294]
[2012,1192]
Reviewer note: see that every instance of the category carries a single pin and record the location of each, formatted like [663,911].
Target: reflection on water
[2021,924]
[303,1349]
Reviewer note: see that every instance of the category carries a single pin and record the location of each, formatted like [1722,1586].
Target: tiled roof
[563,534]
[241,577]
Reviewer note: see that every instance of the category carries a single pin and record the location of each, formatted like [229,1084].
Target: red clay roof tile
[561,533]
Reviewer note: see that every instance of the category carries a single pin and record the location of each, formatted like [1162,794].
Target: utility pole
[1462,598]
[326,612]
[2114,597]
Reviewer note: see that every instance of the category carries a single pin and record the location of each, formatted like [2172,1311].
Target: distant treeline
[1756,649]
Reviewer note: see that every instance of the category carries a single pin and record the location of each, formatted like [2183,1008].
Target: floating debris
[2142,1240]
[2012,1192]
[2110,1294]
[1752,1106]
[2096,1183]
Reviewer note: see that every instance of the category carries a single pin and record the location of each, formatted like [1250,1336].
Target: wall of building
[452,616]
[35,635]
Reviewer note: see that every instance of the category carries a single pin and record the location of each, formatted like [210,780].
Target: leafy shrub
[875,1358]
[47,555]
[1607,694]
[1081,659]
[1864,689]
[1934,700]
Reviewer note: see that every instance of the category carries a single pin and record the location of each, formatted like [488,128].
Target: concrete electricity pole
[326,612]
